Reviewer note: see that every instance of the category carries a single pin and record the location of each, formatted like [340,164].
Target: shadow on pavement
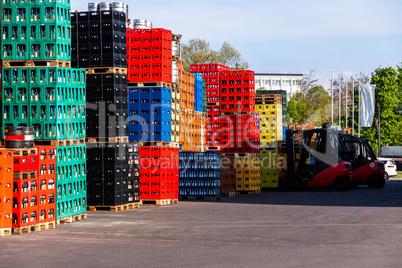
[389,196]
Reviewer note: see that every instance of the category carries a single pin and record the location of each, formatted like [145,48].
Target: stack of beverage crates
[113,174]
[239,132]
[191,119]
[212,75]
[200,174]
[99,44]
[149,55]
[277,92]
[6,191]
[154,106]
[31,172]
[39,89]
[269,108]
[98,39]
[159,174]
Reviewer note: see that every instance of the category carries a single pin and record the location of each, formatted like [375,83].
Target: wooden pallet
[149,84]
[5,231]
[253,192]
[247,154]
[176,37]
[175,58]
[121,139]
[211,198]
[159,202]
[114,208]
[25,151]
[213,103]
[230,194]
[64,142]
[212,148]
[159,143]
[107,70]
[46,225]
[238,113]
[25,175]
[71,219]
[25,229]
[36,63]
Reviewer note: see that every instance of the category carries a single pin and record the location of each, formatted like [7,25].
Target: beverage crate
[99,39]
[199,93]
[149,114]
[52,99]
[71,180]
[113,174]
[200,174]
[159,173]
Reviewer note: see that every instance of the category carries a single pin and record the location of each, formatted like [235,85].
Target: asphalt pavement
[320,228]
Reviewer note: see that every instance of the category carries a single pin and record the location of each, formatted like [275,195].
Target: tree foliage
[388,94]
[198,51]
[311,104]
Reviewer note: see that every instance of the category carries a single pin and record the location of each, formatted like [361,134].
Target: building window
[277,82]
[286,83]
[296,82]
[267,82]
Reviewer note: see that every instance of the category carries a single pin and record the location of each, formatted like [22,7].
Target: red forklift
[367,170]
[325,168]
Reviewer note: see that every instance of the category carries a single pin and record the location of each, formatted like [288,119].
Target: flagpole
[353,107]
[346,104]
[340,99]
[359,107]
[332,101]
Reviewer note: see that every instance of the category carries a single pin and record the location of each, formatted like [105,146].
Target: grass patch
[399,174]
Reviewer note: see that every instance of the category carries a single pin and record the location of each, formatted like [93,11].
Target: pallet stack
[159,174]
[39,88]
[99,45]
[212,75]
[200,175]
[269,109]
[153,113]
[192,118]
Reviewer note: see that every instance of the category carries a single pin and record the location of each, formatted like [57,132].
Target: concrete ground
[322,228]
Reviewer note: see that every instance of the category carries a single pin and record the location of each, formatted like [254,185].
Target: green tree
[388,96]
[231,57]
[198,51]
[311,104]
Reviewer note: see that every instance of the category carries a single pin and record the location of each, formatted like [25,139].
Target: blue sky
[287,36]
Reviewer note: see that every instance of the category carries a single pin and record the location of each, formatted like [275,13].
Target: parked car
[390,167]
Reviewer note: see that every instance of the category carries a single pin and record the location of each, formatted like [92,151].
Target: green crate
[12,32]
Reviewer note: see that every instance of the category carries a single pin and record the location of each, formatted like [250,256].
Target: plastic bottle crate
[71,180]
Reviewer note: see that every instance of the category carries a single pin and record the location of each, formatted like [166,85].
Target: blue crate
[149,110]
[198,87]
[284,128]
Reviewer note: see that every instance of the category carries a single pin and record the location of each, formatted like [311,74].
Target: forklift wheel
[295,183]
[375,182]
[341,184]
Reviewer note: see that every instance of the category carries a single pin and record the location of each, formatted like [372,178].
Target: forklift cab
[319,163]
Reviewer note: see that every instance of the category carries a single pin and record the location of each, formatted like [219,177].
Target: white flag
[367,105]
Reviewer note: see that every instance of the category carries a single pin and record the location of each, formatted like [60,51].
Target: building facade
[289,82]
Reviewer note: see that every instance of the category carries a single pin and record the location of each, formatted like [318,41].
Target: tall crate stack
[39,89]
[177,67]
[212,75]
[6,191]
[191,117]
[284,101]
[269,108]
[152,112]
[99,45]
[239,128]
